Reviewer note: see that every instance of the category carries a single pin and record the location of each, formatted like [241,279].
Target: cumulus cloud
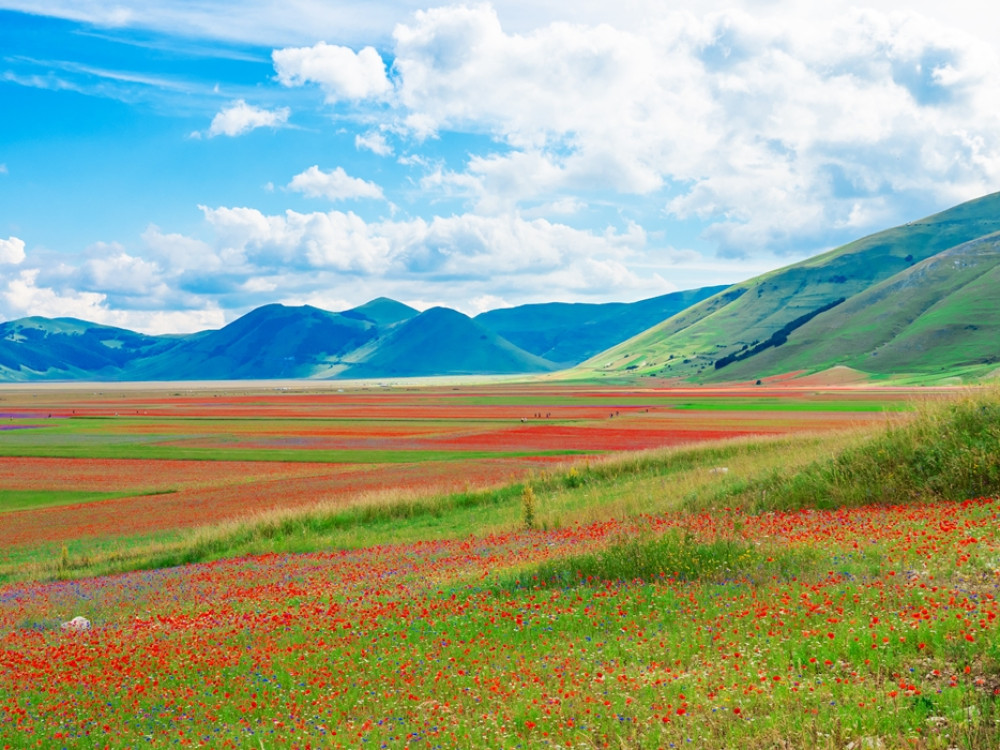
[177,283]
[335,240]
[341,72]
[253,258]
[108,284]
[24,295]
[373,141]
[177,252]
[124,274]
[476,255]
[239,118]
[771,130]
[335,185]
[12,251]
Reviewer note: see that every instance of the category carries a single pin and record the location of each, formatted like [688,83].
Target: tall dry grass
[942,449]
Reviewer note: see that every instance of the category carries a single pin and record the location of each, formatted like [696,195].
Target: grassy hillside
[941,450]
[440,341]
[938,315]
[748,313]
[382,311]
[60,348]
[569,333]
[273,341]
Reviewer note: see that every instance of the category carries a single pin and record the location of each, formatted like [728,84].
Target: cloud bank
[620,155]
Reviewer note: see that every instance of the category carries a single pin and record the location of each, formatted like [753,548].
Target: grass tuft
[946,450]
[673,556]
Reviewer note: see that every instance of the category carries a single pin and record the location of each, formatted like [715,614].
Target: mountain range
[382,338]
[918,300]
[921,300]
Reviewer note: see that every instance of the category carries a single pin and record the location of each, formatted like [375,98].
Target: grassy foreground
[658,601]
[933,451]
[624,485]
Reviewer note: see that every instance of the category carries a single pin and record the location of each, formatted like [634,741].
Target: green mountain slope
[440,341]
[941,314]
[67,348]
[569,333]
[273,341]
[382,312]
[749,313]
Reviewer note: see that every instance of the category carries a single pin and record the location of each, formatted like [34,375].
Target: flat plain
[500,565]
[150,461]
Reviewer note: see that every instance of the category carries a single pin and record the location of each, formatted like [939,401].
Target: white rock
[77,624]
[719,470]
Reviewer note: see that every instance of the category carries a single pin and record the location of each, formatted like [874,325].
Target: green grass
[823,633]
[14,500]
[621,485]
[944,450]
[688,344]
[947,451]
[672,556]
[790,404]
[105,447]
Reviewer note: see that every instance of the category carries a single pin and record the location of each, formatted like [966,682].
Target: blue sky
[169,166]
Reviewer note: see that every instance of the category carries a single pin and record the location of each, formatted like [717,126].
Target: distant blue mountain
[569,333]
[66,349]
[381,338]
[440,341]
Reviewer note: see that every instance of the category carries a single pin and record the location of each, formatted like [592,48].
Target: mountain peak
[382,311]
[442,341]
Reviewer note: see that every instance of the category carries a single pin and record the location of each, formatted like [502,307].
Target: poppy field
[711,625]
[160,460]
[832,626]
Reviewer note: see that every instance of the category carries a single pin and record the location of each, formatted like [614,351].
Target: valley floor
[829,587]
[829,628]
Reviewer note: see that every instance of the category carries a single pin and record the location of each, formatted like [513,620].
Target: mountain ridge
[688,345]
[913,301]
[282,341]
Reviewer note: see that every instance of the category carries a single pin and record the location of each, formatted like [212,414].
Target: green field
[825,590]
[13,500]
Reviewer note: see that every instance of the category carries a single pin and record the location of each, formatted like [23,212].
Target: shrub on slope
[950,451]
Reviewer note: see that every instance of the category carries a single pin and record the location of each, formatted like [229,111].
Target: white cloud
[319,298]
[119,272]
[12,251]
[373,141]
[259,284]
[177,283]
[335,240]
[239,118]
[167,321]
[770,126]
[177,252]
[490,253]
[485,302]
[23,296]
[3,169]
[271,22]
[335,185]
[560,207]
[341,72]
